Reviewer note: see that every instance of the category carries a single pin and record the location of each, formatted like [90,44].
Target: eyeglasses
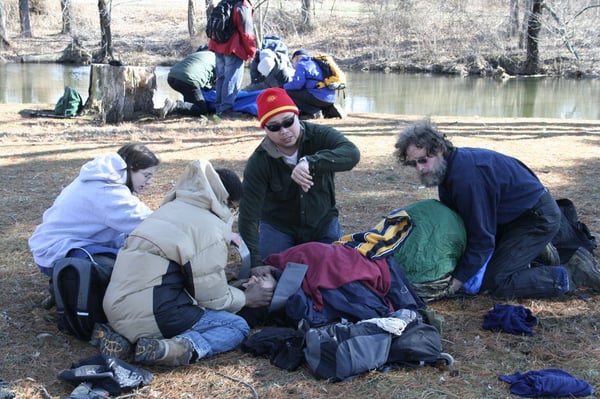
[275,127]
[420,161]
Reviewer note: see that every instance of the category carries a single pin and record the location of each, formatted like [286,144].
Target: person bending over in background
[311,100]
[190,76]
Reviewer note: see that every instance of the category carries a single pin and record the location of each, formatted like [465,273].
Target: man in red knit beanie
[289,190]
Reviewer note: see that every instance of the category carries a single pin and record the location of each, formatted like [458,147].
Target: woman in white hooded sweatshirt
[97,210]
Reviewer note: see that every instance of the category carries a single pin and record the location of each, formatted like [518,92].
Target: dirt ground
[39,156]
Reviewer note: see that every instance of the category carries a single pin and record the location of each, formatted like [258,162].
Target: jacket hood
[201,186]
[108,168]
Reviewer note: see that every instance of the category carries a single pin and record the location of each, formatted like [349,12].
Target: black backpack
[219,26]
[78,286]
[572,234]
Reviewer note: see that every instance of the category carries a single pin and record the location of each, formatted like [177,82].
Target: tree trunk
[527,6]
[3,36]
[533,33]
[513,23]
[307,22]
[120,93]
[192,19]
[24,14]
[67,16]
[106,51]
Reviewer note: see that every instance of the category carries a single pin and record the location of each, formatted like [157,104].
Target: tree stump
[119,93]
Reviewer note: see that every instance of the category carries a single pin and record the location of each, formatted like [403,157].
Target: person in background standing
[230,58]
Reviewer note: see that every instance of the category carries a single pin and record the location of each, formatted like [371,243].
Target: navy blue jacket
[487,189]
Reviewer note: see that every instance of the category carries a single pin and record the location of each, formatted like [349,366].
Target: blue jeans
[230,72]
[216,332]
[273,241]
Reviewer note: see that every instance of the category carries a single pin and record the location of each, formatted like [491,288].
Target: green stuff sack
[70,104]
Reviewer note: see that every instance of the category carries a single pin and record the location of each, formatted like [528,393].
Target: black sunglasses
[275,127]
[420,161]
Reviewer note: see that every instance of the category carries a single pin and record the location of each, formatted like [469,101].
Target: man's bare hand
[258,295]
[301,175]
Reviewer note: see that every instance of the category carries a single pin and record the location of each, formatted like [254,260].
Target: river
[407,94]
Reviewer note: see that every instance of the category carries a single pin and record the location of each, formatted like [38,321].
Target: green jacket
[197,69]
[272,196]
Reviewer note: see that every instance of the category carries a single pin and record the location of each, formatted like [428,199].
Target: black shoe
[304,116]
[583,270]
[549,257]
[335,111]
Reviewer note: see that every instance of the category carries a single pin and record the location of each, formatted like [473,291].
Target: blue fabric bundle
[513,319]
[547,382]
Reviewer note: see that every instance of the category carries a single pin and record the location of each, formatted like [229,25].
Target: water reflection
[366,92]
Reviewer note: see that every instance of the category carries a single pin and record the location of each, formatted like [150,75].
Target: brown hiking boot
[583,270]
[166,352]
[110,342]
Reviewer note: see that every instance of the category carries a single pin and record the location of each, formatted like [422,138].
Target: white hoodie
[97,208]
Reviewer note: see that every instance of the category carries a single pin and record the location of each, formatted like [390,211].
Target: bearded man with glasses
[509,216]
[289,189]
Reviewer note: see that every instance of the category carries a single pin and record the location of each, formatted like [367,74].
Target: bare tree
[533,33]
[67,11]
[106,51]
[306,12]
[24,14]
[513,23]
[3,36]
[192,30]
[563,27]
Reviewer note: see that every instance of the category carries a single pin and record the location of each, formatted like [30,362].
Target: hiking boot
[305,116]
[335,111]
[168,108]
[49,302]
[110,342]
[583,270]
[166,352]
[549,256]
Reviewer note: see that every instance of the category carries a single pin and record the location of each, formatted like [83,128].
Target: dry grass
[39,156]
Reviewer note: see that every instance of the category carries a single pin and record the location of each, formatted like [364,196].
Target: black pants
[194,102]
[307,103]
[509,273]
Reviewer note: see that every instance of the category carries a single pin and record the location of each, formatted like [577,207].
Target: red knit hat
[274,101]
